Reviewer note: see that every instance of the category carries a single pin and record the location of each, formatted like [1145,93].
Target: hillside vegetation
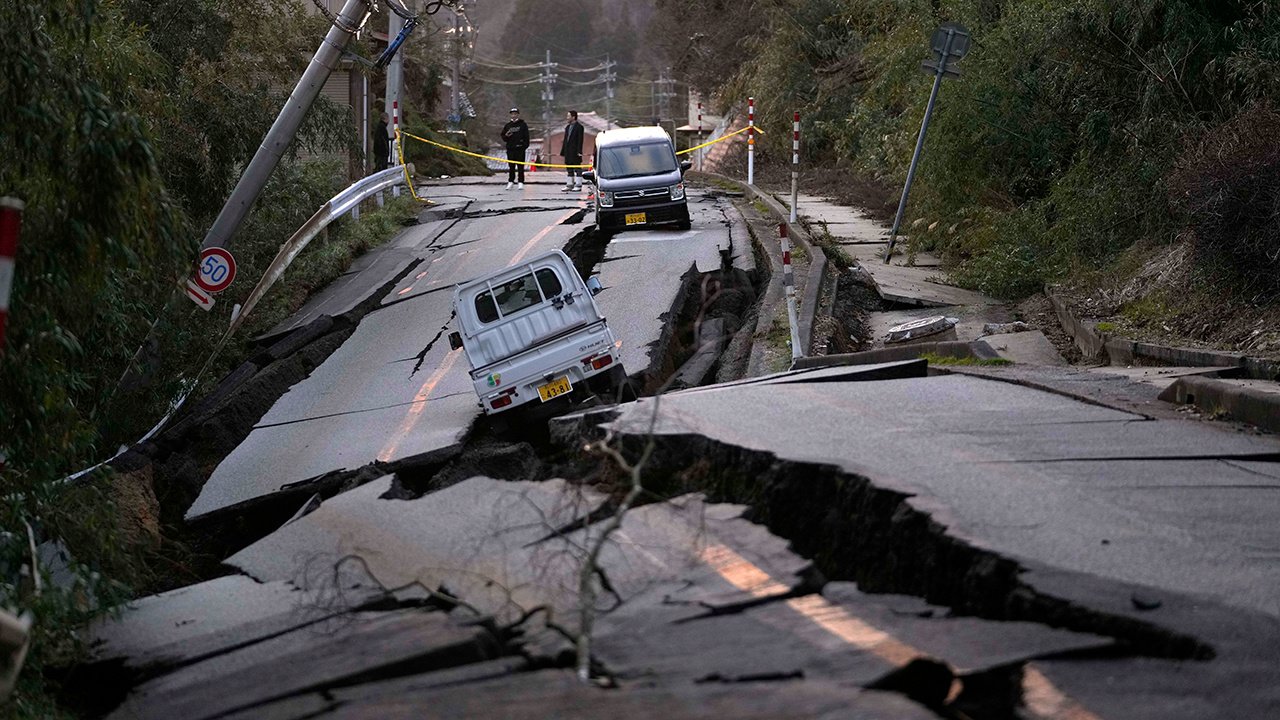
[124,126]
[1083,134]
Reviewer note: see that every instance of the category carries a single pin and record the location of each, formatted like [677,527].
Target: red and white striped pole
[395,148]
[10,224]
[789,283]
[700,152]
[751,141]
[795,163]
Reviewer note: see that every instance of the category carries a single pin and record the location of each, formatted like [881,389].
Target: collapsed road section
[360,382]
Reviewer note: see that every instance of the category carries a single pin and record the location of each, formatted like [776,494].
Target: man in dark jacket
[516,135]
[381,144]
[571,150]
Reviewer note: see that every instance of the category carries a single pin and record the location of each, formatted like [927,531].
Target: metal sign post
[949,43]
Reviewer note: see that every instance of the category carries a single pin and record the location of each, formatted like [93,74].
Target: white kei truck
[533,334]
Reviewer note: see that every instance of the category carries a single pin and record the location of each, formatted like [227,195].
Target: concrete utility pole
[609,77]
[700,152]
[395,84]
[455,110]
[666,92]
[548,81]
[264,162]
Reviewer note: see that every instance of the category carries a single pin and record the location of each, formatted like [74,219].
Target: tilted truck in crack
[533,333]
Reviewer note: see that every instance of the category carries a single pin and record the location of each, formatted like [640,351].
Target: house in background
[687,135]
[349,88]
[592,124]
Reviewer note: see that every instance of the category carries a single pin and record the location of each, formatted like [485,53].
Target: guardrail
[338,205]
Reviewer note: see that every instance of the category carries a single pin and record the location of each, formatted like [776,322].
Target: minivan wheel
[685,223]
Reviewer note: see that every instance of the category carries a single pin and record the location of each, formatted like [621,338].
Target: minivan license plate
[555,388]
[635,218]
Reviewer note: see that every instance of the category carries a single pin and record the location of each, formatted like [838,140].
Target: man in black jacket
[571,150]
[516,135]
[381,144]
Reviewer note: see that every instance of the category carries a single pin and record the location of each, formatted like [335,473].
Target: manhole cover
[930,328]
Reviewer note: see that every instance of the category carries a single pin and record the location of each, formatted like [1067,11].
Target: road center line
[420,400]
[419,404]
[1042,698]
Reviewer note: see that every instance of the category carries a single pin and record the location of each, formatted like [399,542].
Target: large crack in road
[874,595]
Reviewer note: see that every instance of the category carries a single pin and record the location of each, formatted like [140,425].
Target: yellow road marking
[414,414]
[419,404]
[1041,696]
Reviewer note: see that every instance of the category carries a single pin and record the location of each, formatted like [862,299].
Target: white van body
[533,333]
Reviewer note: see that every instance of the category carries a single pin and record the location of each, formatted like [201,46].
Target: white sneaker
[577,188]
[520,186]
[567,188]
[510,185]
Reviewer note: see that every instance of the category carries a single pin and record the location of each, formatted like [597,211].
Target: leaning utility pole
[455,111]
[264,162]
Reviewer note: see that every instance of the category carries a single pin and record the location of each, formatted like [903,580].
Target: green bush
[1052,153]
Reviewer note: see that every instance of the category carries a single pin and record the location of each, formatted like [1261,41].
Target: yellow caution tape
[490,157]
[722,138]
[548,165]
[407,180]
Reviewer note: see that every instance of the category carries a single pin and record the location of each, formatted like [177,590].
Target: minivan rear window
[515,295]
[635,160]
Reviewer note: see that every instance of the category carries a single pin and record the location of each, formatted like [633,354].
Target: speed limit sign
[216,269]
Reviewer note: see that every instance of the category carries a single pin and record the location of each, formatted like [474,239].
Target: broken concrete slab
[320,704]
[1028,348]
[1256,402]
[559,694]
[918,286]
[359,646]
[976,350]
[693,553]
[842,634]
[1157,376]
[950,444]
[479,539]
[202,620]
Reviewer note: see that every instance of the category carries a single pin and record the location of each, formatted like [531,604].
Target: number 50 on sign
[216,270]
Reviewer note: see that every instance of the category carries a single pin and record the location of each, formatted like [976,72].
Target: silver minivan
[533,334]
[639,181]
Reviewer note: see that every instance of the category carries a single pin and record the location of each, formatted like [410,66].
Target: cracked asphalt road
[908,545]
[365,404]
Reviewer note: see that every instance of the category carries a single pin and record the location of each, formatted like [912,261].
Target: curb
[1240,402]
[1124,351]
[977,350]
[817,263]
